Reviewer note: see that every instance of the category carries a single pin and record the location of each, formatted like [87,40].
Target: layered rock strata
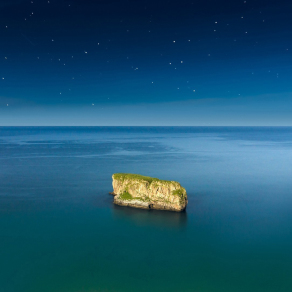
[145,192]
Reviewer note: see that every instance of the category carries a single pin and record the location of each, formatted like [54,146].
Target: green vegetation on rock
[178,192]
[126,196]
[123,176]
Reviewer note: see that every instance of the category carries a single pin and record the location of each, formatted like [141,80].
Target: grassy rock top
[131,176]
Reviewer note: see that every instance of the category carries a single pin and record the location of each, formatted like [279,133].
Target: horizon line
[156,126]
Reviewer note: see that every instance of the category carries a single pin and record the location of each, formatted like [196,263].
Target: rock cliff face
[148,193]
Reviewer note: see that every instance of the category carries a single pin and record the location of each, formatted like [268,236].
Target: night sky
[146,62]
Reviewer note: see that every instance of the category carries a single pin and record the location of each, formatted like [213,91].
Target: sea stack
[145,192]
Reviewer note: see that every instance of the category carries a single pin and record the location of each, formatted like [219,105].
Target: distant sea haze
[60,230]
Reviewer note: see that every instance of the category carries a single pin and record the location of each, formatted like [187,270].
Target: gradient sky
[148,62]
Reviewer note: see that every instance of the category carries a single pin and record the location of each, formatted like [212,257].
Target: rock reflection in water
[157,218]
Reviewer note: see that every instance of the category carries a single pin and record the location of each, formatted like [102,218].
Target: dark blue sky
[151,62]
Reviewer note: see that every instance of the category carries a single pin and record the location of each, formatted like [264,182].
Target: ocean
[60,232]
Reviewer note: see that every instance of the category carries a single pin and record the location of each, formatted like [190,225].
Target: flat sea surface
[60,232]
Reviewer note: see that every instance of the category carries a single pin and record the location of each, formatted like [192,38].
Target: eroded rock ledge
[145,192]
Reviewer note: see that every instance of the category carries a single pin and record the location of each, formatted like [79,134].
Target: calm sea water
[59,230]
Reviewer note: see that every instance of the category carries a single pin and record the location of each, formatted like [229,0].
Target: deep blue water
[59,230]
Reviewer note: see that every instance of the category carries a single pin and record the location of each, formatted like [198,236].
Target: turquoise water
[59,230]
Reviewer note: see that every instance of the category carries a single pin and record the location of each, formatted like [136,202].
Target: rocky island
[145,192]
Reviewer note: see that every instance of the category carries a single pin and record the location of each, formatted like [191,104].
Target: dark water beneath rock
[59,230]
